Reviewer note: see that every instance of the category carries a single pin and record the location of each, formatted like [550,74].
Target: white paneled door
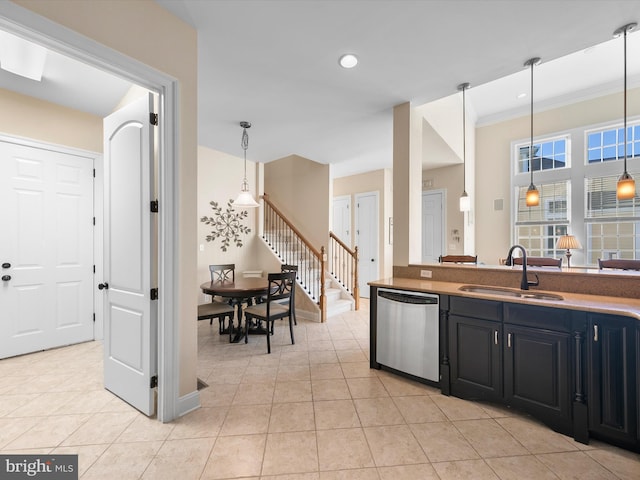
[46,248]
[342,218]
[130,317]
[367,234]
[432,226]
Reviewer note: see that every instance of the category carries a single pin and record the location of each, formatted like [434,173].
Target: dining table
[241,291]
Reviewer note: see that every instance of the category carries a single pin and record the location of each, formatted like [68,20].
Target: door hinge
[94,269]
[153,118]
[154,206]
[94,318]
[94,221]
[154,382]
[154,294]
[94,173]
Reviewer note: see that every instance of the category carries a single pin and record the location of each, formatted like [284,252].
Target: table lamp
[568,242]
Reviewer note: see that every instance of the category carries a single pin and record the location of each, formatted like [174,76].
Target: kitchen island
[570,359]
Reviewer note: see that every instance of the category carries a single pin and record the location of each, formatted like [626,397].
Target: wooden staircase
[328,290]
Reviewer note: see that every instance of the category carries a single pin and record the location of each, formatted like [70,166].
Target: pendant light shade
[626,189]
[245,199]
[465,201]
[533,195]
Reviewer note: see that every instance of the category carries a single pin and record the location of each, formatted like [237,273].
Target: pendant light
[465,201]
[533,195]
[626,188]
[245,199]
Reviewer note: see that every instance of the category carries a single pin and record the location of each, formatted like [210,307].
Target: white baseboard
[188,403]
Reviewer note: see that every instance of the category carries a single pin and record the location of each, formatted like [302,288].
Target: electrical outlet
[425,273]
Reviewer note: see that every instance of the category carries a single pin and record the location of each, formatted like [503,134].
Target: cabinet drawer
[557,319]
[472,307]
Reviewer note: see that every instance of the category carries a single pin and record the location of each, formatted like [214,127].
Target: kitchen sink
[507,292]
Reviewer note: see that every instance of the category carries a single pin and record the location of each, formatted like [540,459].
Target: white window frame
[540,177]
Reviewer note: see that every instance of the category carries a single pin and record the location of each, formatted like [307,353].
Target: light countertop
[629,307]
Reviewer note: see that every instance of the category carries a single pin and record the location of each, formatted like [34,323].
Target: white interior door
[46,248]
[432,226]
[341,218]
[367,233]
[130,320]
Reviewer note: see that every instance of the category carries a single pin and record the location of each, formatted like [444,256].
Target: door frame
[29,25]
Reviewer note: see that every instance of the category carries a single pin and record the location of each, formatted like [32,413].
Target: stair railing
[293,248]
[343,265]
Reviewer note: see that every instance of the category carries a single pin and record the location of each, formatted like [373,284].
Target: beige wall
[29,117]
[377,181]
[219,179]
[300,188]
[146,32]
[493,158]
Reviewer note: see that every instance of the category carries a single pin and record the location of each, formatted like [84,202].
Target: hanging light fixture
[626,188]
[245,199]
[465,201]
[533,195]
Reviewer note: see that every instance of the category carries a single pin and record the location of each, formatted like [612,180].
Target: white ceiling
[274,63]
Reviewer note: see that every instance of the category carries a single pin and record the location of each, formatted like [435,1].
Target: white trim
[38,29]
[188,403]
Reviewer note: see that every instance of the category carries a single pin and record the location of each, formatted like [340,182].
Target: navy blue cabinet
[613,344]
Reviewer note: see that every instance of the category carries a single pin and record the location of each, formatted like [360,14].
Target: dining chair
[219,310]
[458,259]
[619,264]
[221,273]
[281,286]
[539,261]
[292,268]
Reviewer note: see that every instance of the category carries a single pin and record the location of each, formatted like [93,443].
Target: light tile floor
[309,411]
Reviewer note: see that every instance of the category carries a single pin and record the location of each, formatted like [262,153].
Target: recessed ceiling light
[521,95]
[348,60]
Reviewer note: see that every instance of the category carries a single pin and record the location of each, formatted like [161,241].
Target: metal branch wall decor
[227,225]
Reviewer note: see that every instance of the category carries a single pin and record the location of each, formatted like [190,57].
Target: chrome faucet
[524,283]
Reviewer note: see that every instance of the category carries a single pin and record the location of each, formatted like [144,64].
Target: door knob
[6,265]
[373,260]
[103,286]
[6,278]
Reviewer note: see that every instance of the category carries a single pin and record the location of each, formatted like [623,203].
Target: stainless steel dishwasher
[407,332]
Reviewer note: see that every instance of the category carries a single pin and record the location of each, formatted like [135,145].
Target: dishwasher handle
[408,298]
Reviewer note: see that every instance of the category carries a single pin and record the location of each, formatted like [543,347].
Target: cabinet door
[612,386]
[537,373]
[476,367]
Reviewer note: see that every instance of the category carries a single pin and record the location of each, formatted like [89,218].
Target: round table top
[241,287]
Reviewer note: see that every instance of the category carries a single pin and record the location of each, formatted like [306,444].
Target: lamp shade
[533,196]
[245,199]
[568,242]
[626,188]
[465,202]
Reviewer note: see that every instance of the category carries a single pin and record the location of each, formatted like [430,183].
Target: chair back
[539,261]
[619,263]
[223,273]
[281,286]
[458,259]
[289,268]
